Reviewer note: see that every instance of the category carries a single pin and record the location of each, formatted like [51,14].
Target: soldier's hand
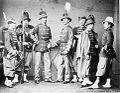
[49,45]
[25,43]
[87,57]
[96,46]
[105,47]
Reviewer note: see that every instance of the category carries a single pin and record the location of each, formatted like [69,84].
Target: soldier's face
[25,22]
[12,25]
[106,25]
[82,22]
[90,27]
[65,21]
[43,20]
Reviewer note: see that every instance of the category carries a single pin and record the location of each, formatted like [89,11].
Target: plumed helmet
[42,14]
[66,16]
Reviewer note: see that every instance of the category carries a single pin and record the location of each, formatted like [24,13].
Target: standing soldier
[65,43]
[44,35]
[27,45]
[77,31]
[10,51]
[106,54]
[87,49]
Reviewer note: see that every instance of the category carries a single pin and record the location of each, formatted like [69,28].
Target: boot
[15,80]
[107,84]
[88,81]
[8,83]
[95,85]
[80,79]
[25,78]
[74,79]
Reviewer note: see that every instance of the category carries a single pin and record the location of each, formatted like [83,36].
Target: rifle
[23,62]
[112,54]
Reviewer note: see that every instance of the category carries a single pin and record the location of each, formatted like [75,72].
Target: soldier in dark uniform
[88,47]
[65,43]
[27,45]
[104,65]
[10,51]
[77,31]
[41,51]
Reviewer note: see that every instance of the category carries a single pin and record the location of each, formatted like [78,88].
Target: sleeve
[70,41]
[109,42]
[50,33]
[7,42]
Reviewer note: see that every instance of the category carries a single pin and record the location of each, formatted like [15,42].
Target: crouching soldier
[41,51]
[65,43]
[28,42]
[10,51]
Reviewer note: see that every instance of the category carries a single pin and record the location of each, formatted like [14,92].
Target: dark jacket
[28,38]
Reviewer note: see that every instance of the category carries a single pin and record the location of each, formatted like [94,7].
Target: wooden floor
[45,87]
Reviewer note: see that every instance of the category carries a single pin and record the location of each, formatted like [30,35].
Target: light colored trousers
[83,66]
[9,66]
[47,64]
[63,63]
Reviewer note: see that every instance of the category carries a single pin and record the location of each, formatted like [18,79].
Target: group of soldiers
[78,57]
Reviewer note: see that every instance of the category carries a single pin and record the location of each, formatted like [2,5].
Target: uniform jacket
[10,40]
[93,41]
[66,39]
[107,40]
[77,31]
[28,38]
[44,35]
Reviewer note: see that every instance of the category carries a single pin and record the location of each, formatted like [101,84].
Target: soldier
[106,54]
[65,43]
[10,51]
[77,31]
[44,35]
[87,49]
[27,45]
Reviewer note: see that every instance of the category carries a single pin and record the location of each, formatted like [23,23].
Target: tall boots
[96,83]
[107,84]
[15,80]
[86,81]
[25,78]
[8,83]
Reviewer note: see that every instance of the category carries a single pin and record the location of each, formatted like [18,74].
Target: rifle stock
[23,49]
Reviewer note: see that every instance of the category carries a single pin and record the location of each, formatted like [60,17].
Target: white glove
[96,46]
[49,45]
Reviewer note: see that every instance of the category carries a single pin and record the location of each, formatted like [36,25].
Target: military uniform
[27,48]
[65,43]
[76,60]
[10,42]
[107,53]
[104,65]
[44,35]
